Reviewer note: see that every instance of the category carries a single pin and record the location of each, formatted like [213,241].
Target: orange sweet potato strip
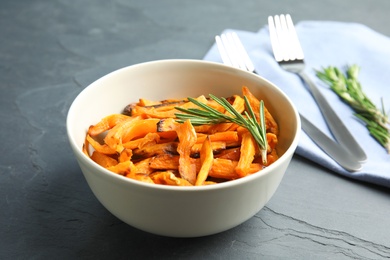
[272,141]
[129,130]
[238,104]
[103,160]
[225,169]
[144,106]
[166,129]
[143,167]
[168,136]
[270,122]
[164,102]
[140,177]
[106,123]
[101,148]
[125,155]
[187,138]
[230,154]
[169,178]
[155,149]
[228,136]
[140,128]
[210,182]
[141,142]
[122,168]
[203,128]
[152,112]
[146,102]
[215,146]
[166,125]
[272,157]
[221,127]
[114,137]
[164,162]
[206,159]
[165,111]
[247,154]
[233,127]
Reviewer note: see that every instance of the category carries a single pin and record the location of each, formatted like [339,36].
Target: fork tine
[275,43]
[222,51]
[246,61]
[233,52]
[229,44]
[228,52]
[278,23]
[284,39]
[296,46]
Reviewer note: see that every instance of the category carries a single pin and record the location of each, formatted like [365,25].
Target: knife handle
[336,126]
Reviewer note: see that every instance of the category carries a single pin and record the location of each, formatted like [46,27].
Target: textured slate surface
[51,50]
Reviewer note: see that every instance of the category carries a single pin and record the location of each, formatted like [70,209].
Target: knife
[336,126]
[336,151]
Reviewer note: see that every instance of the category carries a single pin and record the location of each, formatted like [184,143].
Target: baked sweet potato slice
[103,159]
[215,147]
[225,169]
[149,138]
[143,167]
[101,148]
[169,178]
[232,154]
[140,177]
[106,123]
[247,154]
[272,141]
[270,123]
[125,155]
[164,162]
[129,130]
[206,159]
[123,168]
[228,136]
[155,149]
[187,139]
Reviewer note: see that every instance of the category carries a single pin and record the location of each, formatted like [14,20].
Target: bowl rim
[81,156]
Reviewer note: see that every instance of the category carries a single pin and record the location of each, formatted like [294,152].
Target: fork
[234,54]
[288,53]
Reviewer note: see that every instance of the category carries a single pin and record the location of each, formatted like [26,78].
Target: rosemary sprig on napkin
[349,89]
[209,115]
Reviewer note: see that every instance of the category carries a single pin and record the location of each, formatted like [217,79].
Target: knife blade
[336,151]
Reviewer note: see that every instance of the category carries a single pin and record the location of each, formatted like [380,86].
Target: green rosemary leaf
[349,89]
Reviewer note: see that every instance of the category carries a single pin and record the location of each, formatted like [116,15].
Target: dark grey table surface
[51,50]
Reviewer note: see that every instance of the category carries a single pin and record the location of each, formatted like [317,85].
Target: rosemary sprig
[349,89]
[205,114]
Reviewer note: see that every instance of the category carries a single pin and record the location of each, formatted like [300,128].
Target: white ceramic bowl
[180,211]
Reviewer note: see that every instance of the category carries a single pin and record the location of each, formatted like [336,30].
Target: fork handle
[336,126]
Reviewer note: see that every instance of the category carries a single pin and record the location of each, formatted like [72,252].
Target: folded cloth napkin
[327,43]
